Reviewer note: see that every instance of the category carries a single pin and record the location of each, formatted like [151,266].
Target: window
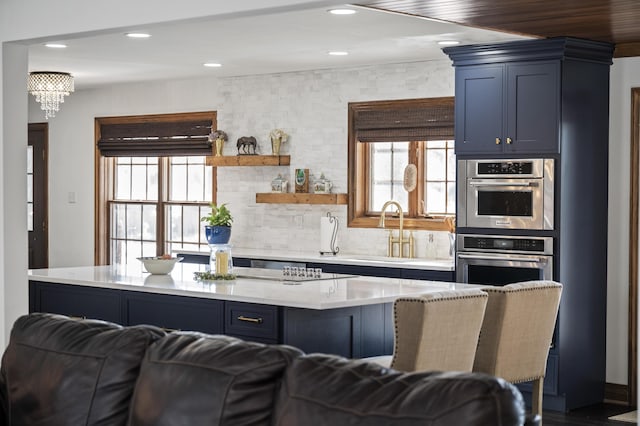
[152,204]
[387,164]
[385,137]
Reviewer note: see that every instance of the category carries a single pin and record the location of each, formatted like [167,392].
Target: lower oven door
[502,268]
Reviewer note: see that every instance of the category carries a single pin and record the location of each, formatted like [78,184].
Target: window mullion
[163,176]
[415,196]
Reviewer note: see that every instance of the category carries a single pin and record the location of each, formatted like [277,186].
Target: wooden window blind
[405,120]
[156,135]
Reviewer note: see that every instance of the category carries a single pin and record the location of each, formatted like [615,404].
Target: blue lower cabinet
[253,321]
[194,258]
[354,332]
[430,275]
[370,271]
[174,312]
[332,331]
[75,301]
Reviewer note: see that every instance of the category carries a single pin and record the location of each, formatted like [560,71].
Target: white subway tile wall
[312,108]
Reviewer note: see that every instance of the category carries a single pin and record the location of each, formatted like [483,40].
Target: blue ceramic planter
[217,234]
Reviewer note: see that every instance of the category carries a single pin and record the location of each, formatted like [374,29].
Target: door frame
[44,129]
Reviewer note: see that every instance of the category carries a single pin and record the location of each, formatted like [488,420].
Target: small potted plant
[218,224]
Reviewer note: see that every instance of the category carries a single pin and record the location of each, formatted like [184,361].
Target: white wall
[310,106]
[13,188]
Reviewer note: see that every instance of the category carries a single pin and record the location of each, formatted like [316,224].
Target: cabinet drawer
[174,312]
[76,301]
[250,320]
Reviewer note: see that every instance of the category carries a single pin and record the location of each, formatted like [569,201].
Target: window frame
[104,178]
[358,172]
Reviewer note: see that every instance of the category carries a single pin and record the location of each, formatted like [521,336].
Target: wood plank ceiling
[614,21]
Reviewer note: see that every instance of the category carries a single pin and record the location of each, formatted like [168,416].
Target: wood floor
[597,415]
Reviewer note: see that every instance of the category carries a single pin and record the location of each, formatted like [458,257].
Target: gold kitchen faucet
[400,240]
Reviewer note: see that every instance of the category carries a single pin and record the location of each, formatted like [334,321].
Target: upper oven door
[506,194]
[505,203]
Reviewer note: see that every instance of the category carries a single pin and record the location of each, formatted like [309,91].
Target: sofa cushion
[190,378]
[59,371]
[353,392]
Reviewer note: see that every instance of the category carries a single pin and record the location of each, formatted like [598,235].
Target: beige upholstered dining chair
[437,331]
[516,333]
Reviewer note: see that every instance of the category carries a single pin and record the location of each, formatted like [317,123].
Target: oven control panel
[505,244]
[505,168]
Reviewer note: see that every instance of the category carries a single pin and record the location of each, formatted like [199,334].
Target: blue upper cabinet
[509,96]
[479,124]
[507,108]
[533,108]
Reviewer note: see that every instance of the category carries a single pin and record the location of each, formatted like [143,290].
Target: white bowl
[158,265]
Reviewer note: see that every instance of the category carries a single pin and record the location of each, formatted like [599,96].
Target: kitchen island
[342,314]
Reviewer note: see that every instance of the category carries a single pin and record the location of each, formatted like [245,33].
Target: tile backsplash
[312,108]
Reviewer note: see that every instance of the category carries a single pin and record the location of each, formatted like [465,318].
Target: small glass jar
[279,184]
[220,260]
[322,185]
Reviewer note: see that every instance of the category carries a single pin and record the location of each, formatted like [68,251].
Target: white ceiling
[276,43]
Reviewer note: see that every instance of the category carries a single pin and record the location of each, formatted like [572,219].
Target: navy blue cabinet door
[533,107]
[350,332]
[174,312]
[479,109]
[75,301]
[508,108]
[334,331]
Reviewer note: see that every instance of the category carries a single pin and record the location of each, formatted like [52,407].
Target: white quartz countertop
[341,259]
[333,292]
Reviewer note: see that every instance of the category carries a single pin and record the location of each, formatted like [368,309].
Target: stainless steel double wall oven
[497,197]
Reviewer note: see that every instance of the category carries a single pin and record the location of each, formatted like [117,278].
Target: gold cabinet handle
[497,141]
[247,319]
[509,141]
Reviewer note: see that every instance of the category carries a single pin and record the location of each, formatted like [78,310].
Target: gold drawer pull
[497,141]
[247,319]
[509,141]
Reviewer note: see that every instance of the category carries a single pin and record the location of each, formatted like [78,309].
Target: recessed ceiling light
[448,42]
[138,35]
[212,64]
[342,11]
[338,53]
[56,45]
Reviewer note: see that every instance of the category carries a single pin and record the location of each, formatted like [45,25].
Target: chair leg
[536,397]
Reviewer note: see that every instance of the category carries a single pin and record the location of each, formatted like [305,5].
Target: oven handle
[507,259]
[527,184]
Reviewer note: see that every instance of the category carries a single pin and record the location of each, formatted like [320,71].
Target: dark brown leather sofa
[62,371]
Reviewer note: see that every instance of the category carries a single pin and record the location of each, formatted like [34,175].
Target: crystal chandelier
[50,88]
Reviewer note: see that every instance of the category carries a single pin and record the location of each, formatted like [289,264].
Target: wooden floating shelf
[300,198]
[249,160]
